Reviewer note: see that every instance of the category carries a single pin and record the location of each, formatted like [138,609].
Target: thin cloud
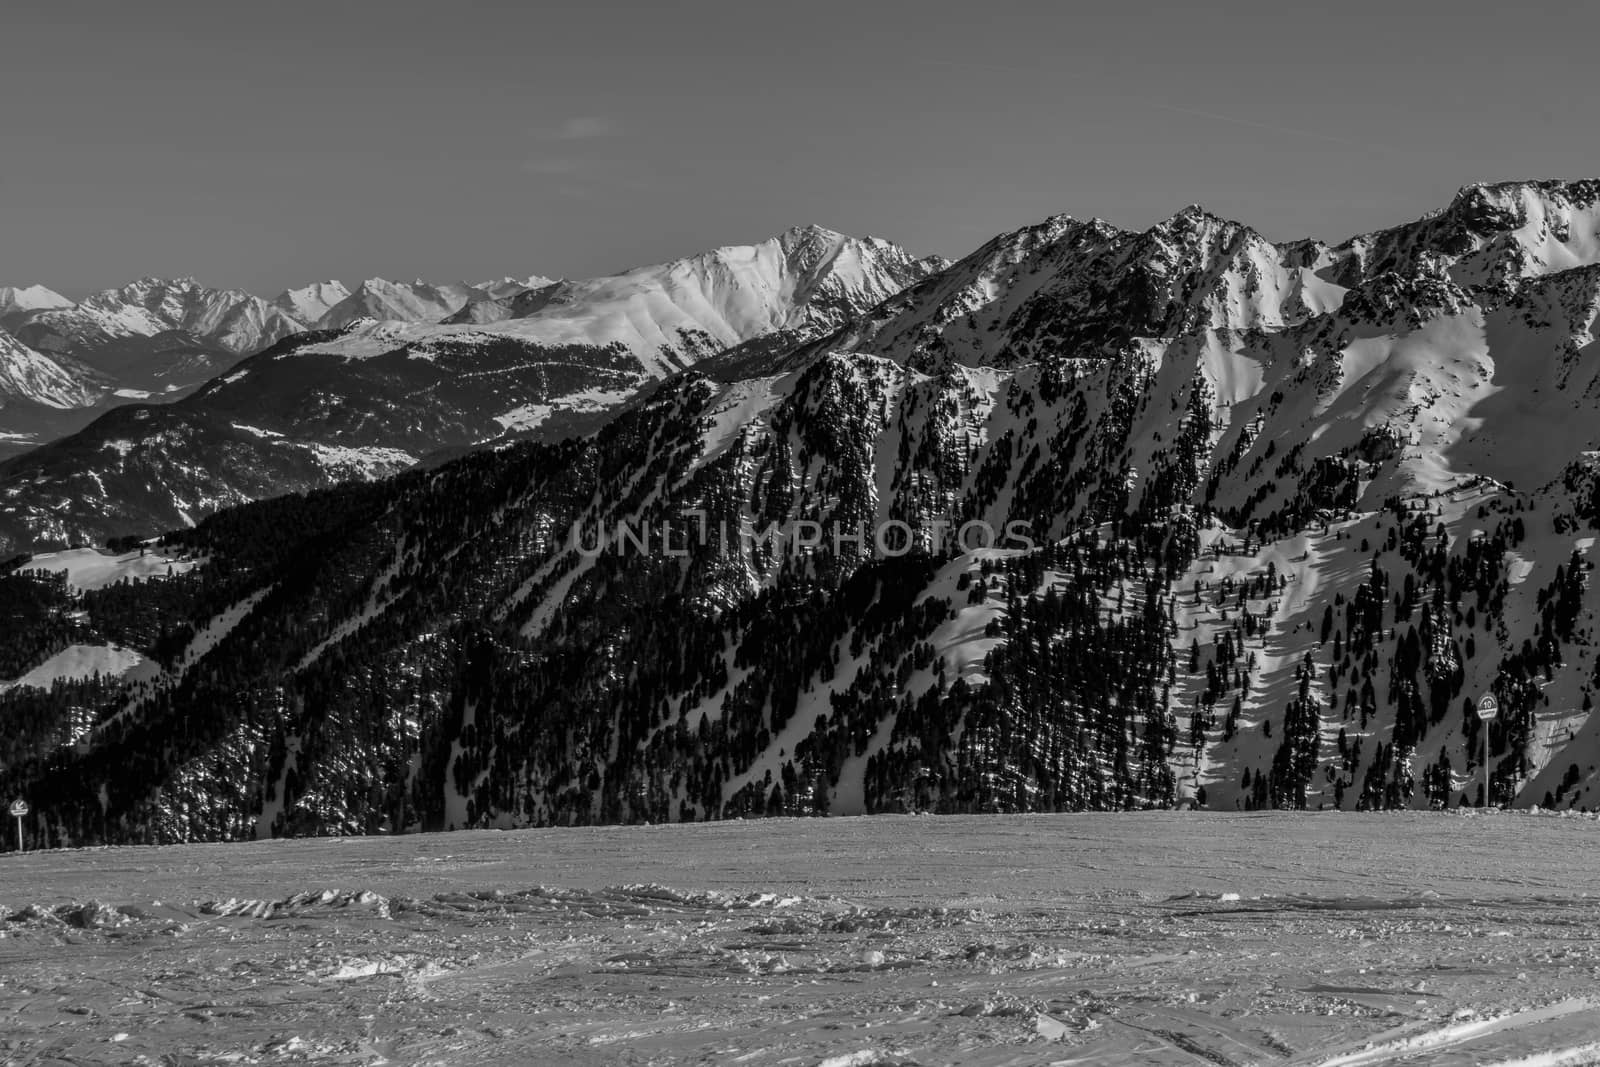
[586,128]
[578,170]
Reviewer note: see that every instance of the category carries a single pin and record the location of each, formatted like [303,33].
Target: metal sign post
[19,808]
[1488,708]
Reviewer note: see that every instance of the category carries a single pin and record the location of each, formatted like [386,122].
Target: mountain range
[157,339]
[62,363]
[1092,518]
[393,374]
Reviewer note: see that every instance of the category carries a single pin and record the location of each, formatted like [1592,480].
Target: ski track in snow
[1367,941]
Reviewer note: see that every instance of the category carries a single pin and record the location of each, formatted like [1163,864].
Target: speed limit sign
[1488,707]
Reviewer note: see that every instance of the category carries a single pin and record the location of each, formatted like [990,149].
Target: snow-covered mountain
[14,299]
[668,316]
[500,301]
[108,325]
[44,398]
[158,340]
[372,397]
[29,375]
[1188,516]
[309,303]
[150,340]
[386,301]
[421,302]
[509,286]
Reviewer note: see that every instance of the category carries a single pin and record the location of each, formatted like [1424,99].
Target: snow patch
[88,568]
[77,662]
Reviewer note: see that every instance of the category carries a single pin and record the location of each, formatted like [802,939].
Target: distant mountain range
[155,339]
[384,377]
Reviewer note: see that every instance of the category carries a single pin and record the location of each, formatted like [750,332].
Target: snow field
[1091,939]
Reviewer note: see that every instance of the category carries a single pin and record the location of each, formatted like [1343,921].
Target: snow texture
[1090,939]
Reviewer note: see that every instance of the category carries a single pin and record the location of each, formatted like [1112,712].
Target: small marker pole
[19,808]
[1488,708]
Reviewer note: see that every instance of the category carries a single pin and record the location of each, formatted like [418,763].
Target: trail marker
[1488,708]
[19,808]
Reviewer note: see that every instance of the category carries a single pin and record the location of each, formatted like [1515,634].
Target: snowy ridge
[144,308]
[1493,235]
[15,298]
[518,358]
[310,303]
[377,298]
[509,286]
[671,315]
[29,375]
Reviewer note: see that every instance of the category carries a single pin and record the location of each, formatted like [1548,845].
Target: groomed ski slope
[1156,938]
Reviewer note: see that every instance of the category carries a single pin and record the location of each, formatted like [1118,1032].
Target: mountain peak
[1572,190]
[29,375]
[309,303]
[382,299]
[153,281]
[147,306]
[810,229]
[30,298]
[1501,207]
[1194,216]
[803,238]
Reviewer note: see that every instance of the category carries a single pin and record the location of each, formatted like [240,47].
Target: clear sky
[272,144]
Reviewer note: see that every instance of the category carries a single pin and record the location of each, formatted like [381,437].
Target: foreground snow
[1138,939]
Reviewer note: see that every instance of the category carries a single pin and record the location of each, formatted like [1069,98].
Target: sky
[262,146]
